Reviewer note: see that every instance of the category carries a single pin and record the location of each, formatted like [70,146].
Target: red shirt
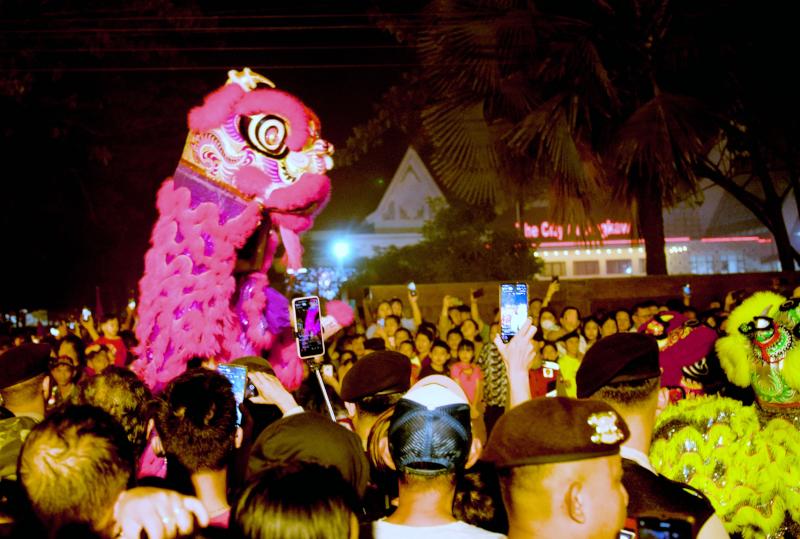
[118,345]
[539,382]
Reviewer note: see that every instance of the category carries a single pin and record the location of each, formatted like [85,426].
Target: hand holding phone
[513,309]
[86,314]
[308,327]
[412,288]
[687,289]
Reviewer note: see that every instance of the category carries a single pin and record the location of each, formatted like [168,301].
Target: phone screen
[308,328]
[687,289]
[237,376]
[672,528]
[513,308]
[412,288]
[86,313]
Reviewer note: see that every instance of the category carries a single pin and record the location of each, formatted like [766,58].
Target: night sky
[94,104]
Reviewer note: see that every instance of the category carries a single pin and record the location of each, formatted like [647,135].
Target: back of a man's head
[376,382]
[120,393]
[559,467]
[197,420]
[622,370]
[73,467]
[430,433]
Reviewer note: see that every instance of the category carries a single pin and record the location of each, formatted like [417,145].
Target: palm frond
[661,142]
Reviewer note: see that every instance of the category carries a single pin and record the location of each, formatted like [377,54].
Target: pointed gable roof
[405,204]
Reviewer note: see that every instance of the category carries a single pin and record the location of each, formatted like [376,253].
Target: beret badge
[605,426]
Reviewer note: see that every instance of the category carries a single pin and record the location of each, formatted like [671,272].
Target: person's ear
[238,437]
[474,453]
[663,400]
[386,455]
[575,503]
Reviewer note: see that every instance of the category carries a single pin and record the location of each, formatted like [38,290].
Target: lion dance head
[253,164]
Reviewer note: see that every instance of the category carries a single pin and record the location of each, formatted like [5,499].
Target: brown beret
[377,373]
[622,357]
[23,363]
[558,429]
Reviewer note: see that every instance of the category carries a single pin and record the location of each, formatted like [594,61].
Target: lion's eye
[265,133]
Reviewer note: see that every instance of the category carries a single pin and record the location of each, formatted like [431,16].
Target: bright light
[341,250]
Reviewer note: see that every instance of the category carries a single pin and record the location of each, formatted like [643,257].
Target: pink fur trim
[288,367]
[188,283]
[217,107]
[341,311]
[252,181]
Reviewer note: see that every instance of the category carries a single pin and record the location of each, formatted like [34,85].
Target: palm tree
[586,96]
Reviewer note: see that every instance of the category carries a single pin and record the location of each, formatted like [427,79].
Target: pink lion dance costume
[254,165]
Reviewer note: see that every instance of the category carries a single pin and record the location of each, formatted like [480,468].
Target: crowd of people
[442,429]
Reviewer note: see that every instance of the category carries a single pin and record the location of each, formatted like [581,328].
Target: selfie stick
[314,367]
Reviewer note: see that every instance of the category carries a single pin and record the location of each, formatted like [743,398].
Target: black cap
[551,430]
[377,373]
[23,363]
[622,357]
[311,437]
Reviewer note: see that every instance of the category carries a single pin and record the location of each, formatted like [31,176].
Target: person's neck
[424,507]
[65,389]
[640,425]
[211,487]
[523,528]
[363,424]
[437,368]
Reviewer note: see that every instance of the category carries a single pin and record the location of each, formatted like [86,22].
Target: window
[551,269]
[586,267]
[619,267]
[702,264]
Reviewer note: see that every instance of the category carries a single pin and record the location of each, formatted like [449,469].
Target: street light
[341,250]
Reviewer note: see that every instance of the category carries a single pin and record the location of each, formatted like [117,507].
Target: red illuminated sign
[547,230]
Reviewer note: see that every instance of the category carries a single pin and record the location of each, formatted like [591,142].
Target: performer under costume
[746,459]
[253,171]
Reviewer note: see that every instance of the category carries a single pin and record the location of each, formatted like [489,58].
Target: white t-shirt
[456,530]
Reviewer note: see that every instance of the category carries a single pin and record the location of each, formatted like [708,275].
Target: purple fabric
[204,191]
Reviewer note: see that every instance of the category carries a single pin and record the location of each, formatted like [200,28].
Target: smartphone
[237,376]
[555,278]
[477,293]
[71,325]
[671,528]
[367,293]
[54,332]
[132,304]
[308,327]
[412,288]
[687,289]
[86,313]
[513,308]
[327,370]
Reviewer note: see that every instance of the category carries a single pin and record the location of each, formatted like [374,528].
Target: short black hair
[440,344]
[197,420]
[123,395]
[466,345]
[454,331]
[295,500]
[570,308]
[426,333]
[73,466]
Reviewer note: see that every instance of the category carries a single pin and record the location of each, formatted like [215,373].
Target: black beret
[23,363]
[622,357]
[558,429]
[377,373]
